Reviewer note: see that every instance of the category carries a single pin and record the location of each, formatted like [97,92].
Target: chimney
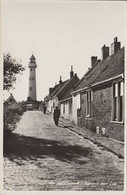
[93,60]
[98,60]
[50,91]
[71,72]
[105,52]
[115,46]
[60,81]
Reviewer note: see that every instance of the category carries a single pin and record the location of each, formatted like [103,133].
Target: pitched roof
[68,95]
[11,100]
[67,87]
[110,67]
[57,88]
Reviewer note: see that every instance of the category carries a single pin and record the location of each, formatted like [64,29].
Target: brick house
[98,98]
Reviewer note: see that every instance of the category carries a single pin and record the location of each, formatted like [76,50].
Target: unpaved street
[42,156]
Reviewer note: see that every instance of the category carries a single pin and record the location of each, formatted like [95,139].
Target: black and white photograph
[63,97]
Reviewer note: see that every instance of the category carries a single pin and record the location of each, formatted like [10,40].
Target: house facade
[51,101]
[61,96]
[66,106]
[98,99]
[65,96]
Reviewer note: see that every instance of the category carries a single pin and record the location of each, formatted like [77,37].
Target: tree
[11,69]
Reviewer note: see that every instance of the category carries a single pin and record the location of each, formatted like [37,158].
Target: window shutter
[116,90]
[121,88]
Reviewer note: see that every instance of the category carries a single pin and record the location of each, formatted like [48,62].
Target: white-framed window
[117,108]
[88,109]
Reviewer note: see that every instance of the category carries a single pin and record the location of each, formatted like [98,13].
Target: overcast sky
[59,34]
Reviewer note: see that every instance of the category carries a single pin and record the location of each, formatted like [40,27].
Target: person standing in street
[56,115]
[44,109]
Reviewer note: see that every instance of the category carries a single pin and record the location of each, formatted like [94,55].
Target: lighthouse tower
[32,78]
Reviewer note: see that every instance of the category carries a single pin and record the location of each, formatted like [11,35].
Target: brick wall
[102,110]
[86,122]
[101,113]
[102,105]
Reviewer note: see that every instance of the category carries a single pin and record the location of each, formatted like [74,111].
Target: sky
[59,34]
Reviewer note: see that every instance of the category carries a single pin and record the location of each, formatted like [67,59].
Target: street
[41,156]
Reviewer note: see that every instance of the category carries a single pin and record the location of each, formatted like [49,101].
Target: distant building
[32,102]
[49,100]
[98,98]
[57,93]
[66,104]
[32,78]
[10,102]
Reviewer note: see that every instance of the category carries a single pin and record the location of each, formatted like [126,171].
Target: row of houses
[59,92]
[96,101]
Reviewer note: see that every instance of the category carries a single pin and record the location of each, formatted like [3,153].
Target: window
[30,88]
[70,107]
[117,113]
[64,108]
[89,104]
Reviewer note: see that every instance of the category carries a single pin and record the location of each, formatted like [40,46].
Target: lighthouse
[32,78]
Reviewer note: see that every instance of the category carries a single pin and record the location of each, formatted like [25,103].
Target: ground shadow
[29,148]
